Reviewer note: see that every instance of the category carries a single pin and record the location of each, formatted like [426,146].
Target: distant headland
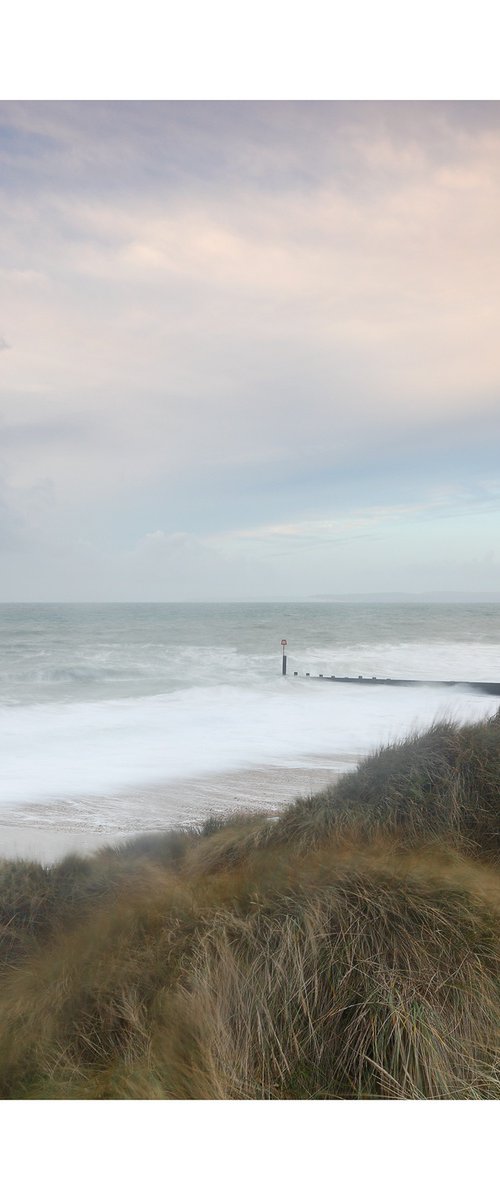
[410,597]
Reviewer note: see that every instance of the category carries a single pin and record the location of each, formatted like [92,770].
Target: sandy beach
[49,830]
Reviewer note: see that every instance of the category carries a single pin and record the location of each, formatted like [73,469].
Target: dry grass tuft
[349,949]
[442,785]
[366,979]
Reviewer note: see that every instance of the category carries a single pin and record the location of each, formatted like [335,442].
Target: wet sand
[49,830]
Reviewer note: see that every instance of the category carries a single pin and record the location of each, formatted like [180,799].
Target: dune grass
[347,950]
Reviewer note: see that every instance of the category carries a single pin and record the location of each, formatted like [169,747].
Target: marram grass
[347,950]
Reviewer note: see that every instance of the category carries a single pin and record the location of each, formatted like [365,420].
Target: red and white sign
[284,642]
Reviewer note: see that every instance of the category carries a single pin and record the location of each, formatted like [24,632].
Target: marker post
[284,644]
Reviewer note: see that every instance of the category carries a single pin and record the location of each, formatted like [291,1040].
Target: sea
[107,710]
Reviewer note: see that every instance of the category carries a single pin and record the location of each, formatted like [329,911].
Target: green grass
[347,950]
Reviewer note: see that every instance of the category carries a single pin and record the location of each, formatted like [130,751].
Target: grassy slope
[349,949]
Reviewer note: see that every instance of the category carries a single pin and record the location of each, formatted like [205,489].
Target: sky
[248,350]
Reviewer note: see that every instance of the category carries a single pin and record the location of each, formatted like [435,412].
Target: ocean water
[96,700]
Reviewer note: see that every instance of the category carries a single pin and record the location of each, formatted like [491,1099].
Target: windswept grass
[349,949]
[443,785]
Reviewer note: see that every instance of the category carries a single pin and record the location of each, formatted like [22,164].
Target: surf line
[488,687]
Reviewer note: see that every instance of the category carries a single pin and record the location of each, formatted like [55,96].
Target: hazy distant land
[410,597]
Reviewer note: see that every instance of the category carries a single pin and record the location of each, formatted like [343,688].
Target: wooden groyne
[488,687]
[491,689]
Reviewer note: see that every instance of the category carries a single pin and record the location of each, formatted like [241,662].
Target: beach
[46,832]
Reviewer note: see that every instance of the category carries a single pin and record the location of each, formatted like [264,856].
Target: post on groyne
[284,644]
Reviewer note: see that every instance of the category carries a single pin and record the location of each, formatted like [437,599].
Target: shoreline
[47,831]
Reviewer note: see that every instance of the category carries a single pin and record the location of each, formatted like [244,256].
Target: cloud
[246,316]
[179,565]
[15,533]
[370,519]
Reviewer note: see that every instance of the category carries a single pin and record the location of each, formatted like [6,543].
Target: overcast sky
[248,350]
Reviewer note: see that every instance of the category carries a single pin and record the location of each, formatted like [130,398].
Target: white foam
[409,660]
[52,751]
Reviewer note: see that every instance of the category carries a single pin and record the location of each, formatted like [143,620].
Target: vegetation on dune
[442,785]
[348,949]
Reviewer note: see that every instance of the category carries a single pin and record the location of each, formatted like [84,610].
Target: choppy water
[95,699]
